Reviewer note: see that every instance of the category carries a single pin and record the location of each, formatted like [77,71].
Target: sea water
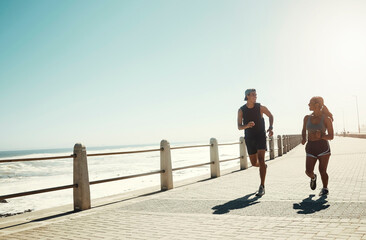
[34,175]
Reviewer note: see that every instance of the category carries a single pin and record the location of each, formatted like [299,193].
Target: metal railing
[81,183]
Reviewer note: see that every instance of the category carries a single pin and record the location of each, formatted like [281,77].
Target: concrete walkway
[223,208]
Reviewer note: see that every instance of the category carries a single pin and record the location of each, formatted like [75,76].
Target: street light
[358,117]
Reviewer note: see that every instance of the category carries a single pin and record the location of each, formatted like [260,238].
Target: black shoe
[313,183]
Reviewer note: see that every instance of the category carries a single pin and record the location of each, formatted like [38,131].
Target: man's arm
[270,116]
[240,121]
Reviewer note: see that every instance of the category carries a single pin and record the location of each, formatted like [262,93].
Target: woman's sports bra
[314,127]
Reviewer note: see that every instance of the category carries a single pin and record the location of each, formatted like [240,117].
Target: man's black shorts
[255,144]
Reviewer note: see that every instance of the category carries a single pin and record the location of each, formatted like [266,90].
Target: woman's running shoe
[261,191]
[324,192]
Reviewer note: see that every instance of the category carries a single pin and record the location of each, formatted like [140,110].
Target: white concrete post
[284,144]
[279,145]
[271,148]
[81,178]
[243,154]
[166,178]
[290,142]
[214,157]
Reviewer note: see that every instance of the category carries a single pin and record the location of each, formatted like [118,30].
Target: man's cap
[247,92]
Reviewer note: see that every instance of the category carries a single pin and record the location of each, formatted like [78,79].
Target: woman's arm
[329,125]
[303,133]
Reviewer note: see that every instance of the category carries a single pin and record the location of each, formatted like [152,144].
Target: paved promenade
[223,208]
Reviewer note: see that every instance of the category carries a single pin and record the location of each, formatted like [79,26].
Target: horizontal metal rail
[73,155]
[224,144]
[194,146]
[37,191]
[192,166]
[231,159]
[75,185]
[126,177]
[106,154]
[119,153]
[35,159]
[112,153]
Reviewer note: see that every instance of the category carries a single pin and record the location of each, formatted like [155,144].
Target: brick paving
[226,207]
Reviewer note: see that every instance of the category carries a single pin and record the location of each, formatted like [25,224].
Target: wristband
[270,128]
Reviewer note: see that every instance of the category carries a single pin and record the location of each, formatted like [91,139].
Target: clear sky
[135,72]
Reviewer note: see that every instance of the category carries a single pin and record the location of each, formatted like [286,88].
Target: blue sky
[135,72]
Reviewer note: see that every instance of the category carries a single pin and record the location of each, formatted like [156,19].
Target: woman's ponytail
[325,110]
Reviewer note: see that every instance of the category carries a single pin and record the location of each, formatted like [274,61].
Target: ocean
[34,175]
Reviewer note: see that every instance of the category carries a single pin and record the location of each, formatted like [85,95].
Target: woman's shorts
[316,149]
[255,144]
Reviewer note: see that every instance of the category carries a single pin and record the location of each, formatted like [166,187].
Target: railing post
[279,145]
[284,144]
[214,156]
[166,178]
[243,154]
[271,148]
[81,178]
[291,142]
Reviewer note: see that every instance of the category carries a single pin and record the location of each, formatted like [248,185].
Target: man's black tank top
[253,114]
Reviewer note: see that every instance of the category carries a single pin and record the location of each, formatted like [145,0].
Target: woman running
[320,130]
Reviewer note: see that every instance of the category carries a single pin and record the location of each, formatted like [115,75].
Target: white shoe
[261,191]
[324,192]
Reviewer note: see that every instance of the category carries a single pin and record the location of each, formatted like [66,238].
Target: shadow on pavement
[40,219]
[239,203]
[310,206]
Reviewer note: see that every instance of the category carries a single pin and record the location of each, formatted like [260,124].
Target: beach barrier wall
[81,183]
[353,135]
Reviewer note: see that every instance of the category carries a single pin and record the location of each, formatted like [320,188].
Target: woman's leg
[323,165]
[310,164]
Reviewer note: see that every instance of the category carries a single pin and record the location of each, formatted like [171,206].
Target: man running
[250,118]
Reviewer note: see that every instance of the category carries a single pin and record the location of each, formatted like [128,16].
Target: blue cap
[247,92]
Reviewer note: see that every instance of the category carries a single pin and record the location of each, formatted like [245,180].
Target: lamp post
[344,128]
[358,117]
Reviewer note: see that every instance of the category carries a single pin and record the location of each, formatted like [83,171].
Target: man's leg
[262,166]
[254,160]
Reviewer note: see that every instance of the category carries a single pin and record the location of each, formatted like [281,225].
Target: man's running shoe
[324,192]
[313,183]
[261,191]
